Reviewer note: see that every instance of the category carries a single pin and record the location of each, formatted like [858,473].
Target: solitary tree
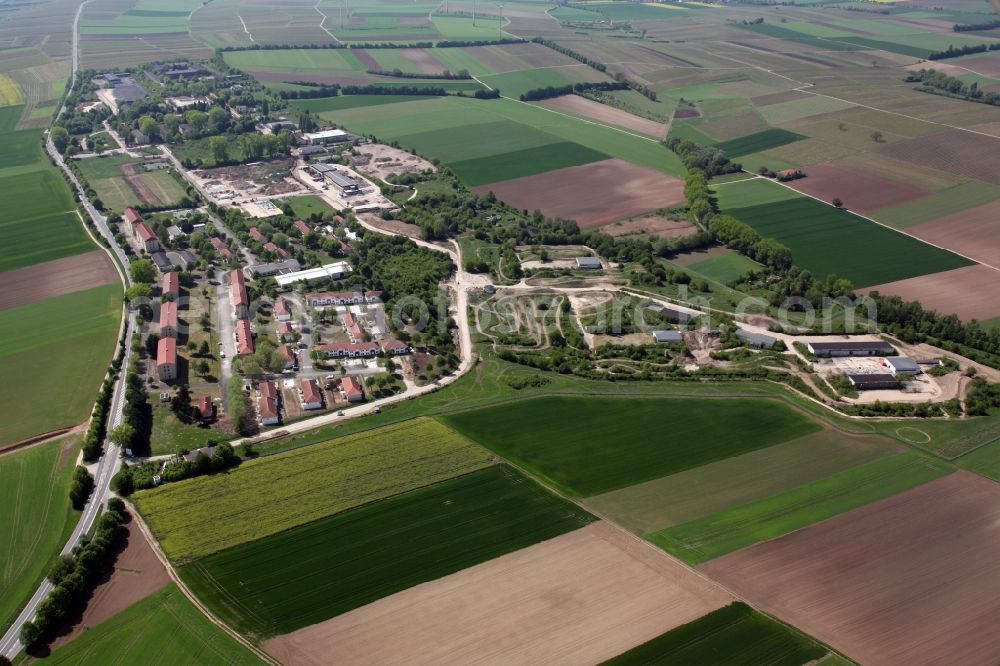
[877,136]
[60,138]
[837,203]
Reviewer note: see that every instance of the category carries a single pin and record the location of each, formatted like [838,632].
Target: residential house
[351,389]
[267,404]
[244,338]
[353,328]
[283,310]
[289,355]
[166,359]
[394,347]
[171,285]
[257,236]
[221,247]
[349,349]
[238,294]
[285,332]
[310,394]
[301,226]
[147,239]
[168,319]
[206,409]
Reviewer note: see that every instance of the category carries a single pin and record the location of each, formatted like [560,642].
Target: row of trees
[952,52]
[75,575]
[80,487]
[139,477]
[599,66]
[932,80]
[743,238]
[443,44]
[93,441]
[397,73]
[557,91]
[973,27]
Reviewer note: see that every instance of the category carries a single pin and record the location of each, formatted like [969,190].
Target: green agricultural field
[294,61]
[307,205]
[250,503]
[104,174]
[341,102]
[754,143]
[35,514]
[58,348]
[31,241]
[309,574]
[516,83]
[591,445]
[725,268]
[825,240]
[34,194]
[724,532]
[985,460]
[625,11]
[163,628]
[527,162]
[735,635]
[938,204]
[709,489]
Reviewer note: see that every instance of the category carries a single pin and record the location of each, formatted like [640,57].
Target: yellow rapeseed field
[10,91]
[200,516]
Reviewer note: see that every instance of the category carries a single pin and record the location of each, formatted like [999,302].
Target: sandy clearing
[603,113]
[137,574]
[972,232]
[653,225]
[860,190]
[53,278]
[969,292]
[592,194]
[907,580]
[583,597]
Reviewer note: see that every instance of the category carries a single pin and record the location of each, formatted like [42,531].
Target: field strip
[321,22]
[591,122]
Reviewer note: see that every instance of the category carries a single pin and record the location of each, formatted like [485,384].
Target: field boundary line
[322,21]
[584,120]
[148,536]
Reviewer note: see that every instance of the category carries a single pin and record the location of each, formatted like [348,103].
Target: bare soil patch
[860,190]
[423,61]
[137,574]
[366,59]
[687,112]
[906,580]
[131,172]
[970,292]
[972,232]
[391,226]
[693,257]
[382,161]
[651,225]
[592,194]
[970,155]
[987,65]
[53,278]
[583,597]
[603,113]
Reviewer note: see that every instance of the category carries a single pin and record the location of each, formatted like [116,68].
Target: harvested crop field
[907,580]
[583,597]
[592,194]
[972,232]
[54,278]
[970,292]
[651,225]
[964,153]
[861,191]
[602,113]
[137,573]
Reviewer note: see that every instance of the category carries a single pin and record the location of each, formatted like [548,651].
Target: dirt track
[907,580]
[969,292]
[592,194]
[603,113]
[580,598]
[53,278]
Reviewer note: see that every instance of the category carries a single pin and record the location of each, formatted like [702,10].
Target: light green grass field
[250,503]
[58,350]
[341,102]
[588,446]
[34,514]
[163,628]
[515,84]
[754,143]
[320,570]
[725,267]
[724,532]
[702,491]
[305,206]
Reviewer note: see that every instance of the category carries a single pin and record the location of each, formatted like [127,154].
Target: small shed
[668,337]
[588,262]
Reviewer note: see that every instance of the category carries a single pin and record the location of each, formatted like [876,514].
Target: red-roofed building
[147,238]
[206,410]
[168,319]
[238,294]
[395,347]
[257,236]
[166,359]
[221,247]
[349,349]
[283,310]
[352,389]
[310,394]
[171,285]
[132,217]
[267,404]
[289,355]
[244,338]
[301,226]
[352,327]
[285,332]
[271,247]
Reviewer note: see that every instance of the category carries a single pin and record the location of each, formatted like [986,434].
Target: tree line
[952,52]
[599,66]
[448,75]
[443,44]
[932,80]
[549,92]
[139,477]
[974,27]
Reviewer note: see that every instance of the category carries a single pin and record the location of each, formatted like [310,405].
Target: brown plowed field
[137,574]
[603,113]
[970,292]
[652,225]
[592,194]
[423,61]
[955,151]
[580,598]
[53,278]
[907,580]
[974,232]
[860,190]
[366,59]
[131,174]
[987,65]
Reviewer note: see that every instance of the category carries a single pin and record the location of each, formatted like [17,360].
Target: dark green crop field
[586,446]
[754,143]
[527,162]
[825,241]
[322,104]
[320,570]
[734,635]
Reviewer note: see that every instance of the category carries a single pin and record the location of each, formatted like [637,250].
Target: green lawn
[170,435]
[725,268]
[754,143]
[724,532]
[34,515]
[825,240]
[591,445]
[163,628]
[735,635]
[305,206]
[58,350]
[309,574]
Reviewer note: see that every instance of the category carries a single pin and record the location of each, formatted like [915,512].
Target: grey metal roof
[853,345]
[668,336]
[756,339]
[588,262]
[903,363]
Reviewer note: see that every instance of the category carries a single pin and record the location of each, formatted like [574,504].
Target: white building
[334,271]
